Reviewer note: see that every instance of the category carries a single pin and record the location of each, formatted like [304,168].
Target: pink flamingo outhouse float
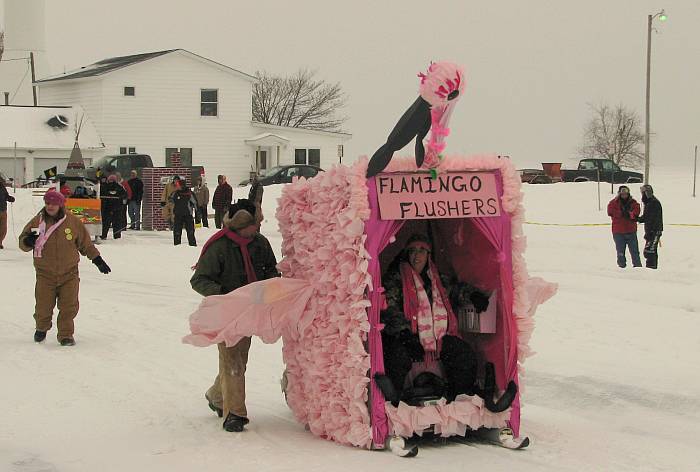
[405,306]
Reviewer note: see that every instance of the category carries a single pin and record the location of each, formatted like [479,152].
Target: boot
[39,336]
[234,423]
[490,388]
[67,342]
[214,408]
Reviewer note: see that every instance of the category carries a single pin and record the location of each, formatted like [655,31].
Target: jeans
[135,214]
[622,241]
[219,217]
[202,216]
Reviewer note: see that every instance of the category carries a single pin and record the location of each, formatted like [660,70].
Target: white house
[33,139]
[174,100]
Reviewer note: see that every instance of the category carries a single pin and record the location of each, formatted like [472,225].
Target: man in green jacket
[235,256]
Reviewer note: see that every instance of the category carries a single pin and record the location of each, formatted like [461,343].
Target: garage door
[8,169]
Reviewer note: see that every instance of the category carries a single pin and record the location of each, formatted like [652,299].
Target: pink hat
[112,178]
[53,197]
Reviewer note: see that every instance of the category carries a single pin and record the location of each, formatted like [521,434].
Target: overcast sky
[532,66]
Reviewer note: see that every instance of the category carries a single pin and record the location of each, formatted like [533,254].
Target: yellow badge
[69,237]
[67,231]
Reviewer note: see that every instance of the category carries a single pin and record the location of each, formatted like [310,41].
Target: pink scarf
[430,322]
[45,234]
[242,243]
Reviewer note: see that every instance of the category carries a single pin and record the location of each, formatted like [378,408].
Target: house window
[209,102]
[185,156]
[315,157]
[300,156]
[127,150]
[129,91]
[307,156]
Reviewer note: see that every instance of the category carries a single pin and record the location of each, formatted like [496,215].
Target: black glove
[30,239]
[412,344]
[162,204]
[101,265]
[479,300]
[10,198]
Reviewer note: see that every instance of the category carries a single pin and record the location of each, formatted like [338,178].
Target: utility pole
[31,62]
[14,171]
[650,19]
[695,169]
[646,131]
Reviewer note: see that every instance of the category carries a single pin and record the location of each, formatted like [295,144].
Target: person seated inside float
[420,326]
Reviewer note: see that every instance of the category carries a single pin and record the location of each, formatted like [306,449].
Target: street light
[662,17]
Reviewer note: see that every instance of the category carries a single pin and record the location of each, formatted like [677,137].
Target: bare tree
[616,134]
[298,101]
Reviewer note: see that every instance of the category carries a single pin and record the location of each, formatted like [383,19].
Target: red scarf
[242,243]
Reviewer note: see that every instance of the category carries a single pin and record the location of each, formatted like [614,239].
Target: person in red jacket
[223,195]
[624,210]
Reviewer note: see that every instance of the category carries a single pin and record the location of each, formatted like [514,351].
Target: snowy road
[614,384]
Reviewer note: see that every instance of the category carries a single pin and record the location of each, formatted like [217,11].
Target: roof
[343,136]
[268,139]
[111,64]
[27,126]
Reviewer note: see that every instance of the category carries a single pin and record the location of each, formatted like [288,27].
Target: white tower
[25,32]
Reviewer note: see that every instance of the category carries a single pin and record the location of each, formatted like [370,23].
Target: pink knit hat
[52,197]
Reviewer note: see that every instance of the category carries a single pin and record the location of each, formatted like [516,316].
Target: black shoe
[39,336]
[67,342]
[214,408]
[234,423]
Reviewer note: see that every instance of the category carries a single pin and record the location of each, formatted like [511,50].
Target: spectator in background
[64,188]
[125,185]
[201,194]
[136,186]
[4,198]
[166,202]
[624,210]
[223,195]
[113,198]
[184,204]
[653,226]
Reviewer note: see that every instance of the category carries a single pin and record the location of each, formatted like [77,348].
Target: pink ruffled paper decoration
[266,309]
[448,419]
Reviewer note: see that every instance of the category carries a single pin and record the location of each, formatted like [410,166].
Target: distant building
[44,137]
[166,101]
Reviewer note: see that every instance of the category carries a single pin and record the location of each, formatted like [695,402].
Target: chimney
[7,98]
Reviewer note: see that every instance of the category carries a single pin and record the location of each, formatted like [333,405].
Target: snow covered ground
[614,385]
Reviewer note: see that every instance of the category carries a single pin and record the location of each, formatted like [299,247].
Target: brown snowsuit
[167,210]
[57,273]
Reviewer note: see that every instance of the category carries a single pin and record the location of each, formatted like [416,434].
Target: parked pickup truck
[588,170]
